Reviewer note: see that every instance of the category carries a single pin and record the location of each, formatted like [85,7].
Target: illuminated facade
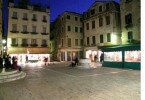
[130,21]
[28,30]
[1,26]
[102,27]
[68,30]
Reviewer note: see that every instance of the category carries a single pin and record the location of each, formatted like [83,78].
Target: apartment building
[0,26]
[102,27]
[130,21]
[68,30]
[28,30]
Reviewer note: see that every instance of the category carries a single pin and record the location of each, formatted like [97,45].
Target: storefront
[125,56]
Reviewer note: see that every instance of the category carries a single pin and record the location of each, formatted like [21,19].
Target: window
[62,42]
[76,42]
[33,41]
[33,28]
[107,20]
[93,40]
[44,18]
[44,29]
[14,41]
[68,28]
[100,21]
[92,11]
[100,8]
[107,6]
[130,35]
[76,18]
[93,24]
[25,16]
[44,42]
[101,38]
[69,42]
[81,42]
[14,15]
[88,41]
[108,37]
[76,29]
[128,19]
[81,19]
[81,30]
[68,16]
[24,41]
[24,28]
[14,27]
[87,26]
[34,17]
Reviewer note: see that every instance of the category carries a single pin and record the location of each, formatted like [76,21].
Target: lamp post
[3,50]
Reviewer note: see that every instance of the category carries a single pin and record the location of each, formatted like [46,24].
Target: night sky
[57,7]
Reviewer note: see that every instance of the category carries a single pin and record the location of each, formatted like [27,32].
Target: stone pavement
[60,82]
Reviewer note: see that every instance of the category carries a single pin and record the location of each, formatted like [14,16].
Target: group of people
[75,62]
[9,63]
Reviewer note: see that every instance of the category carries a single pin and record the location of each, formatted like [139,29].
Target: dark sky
[57,7]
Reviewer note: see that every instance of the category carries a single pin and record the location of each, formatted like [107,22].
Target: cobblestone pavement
[60,82]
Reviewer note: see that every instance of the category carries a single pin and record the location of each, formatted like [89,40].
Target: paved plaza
[60,82]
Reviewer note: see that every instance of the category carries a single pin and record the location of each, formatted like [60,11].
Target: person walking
[1,62]
[76,61]
[101,57]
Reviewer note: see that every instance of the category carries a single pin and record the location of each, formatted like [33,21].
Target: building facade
[130,21]
[102,27]
[28,30]
[68,29]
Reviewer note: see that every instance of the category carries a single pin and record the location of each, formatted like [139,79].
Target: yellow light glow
[113,38]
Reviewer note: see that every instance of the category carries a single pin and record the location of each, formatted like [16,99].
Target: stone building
[28,30]
[102,27]
[68,33]
[130,21]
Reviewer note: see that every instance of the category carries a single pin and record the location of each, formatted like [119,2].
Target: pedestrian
[1,62]
[76,61]
[101,57]
[26,59]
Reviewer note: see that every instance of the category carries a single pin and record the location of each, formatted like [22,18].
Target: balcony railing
[14,45]
[24,45]
[34,45]
[34,19]
[44,45]
[130,25]
[25,32]
[25,18]
[14,31]
[44,33]
[14,17]
[34,33]
[44,20]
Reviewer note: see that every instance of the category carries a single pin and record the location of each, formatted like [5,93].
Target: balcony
[25,18]
[34,19]
[25,32]
[44,33]
[34,45]
[24,45]
[44,45]
[44,20]
[14,17]
[14,31]
[130,25]
[93,44]
[14,45]
[34,33]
